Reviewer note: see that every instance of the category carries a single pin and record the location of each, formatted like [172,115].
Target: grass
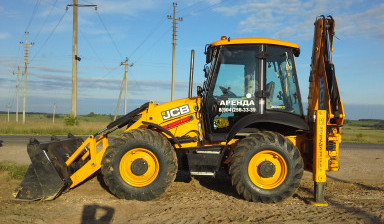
[361,131]
[15,171]
[360,134]
[40,124]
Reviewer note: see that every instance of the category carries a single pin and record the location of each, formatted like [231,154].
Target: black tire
[253,148]
[115,165]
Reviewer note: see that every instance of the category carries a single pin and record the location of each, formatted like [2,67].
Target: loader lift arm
[53,171]
[325,108]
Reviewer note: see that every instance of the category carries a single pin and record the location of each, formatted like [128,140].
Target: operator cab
[250,76]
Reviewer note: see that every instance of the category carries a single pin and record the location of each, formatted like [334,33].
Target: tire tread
[112,178]
[238,178]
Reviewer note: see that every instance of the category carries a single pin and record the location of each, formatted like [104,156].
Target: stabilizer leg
[319,188]
[320,160]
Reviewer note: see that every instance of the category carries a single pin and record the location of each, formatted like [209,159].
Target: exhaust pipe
[191,73]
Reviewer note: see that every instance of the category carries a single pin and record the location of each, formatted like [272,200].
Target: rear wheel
[140,164]
[266,167]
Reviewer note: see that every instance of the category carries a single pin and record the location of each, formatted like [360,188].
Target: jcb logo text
[175,112]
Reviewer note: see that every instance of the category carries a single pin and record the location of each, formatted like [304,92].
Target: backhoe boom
[325,108]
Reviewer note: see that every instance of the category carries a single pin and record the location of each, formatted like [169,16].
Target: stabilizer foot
[319,194]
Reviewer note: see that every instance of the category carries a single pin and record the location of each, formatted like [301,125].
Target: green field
[14,170]
[42,124]
[361,131]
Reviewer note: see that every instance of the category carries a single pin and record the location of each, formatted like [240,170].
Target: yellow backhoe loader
[248,118]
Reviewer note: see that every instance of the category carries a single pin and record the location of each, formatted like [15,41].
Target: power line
[109,34]
[149,35]
[156,27]
[33,15]
[152,46]
[93,49]
[110,71]
[49,36]
[46,18]
[137,84]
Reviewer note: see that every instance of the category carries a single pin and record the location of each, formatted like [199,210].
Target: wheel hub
[139,167]
[266,169]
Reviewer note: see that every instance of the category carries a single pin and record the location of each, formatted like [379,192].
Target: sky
[141,31]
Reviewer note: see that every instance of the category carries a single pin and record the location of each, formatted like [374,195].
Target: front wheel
[266,167]
[140,164]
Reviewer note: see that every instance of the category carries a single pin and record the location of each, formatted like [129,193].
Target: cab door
[231,89]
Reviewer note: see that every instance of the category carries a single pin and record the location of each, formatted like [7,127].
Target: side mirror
[208,53]
[199,91]
[206,71]
[296,52]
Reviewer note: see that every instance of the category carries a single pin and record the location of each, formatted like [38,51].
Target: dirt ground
[355,195]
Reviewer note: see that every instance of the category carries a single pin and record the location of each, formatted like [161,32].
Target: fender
[163,130]
[268,117]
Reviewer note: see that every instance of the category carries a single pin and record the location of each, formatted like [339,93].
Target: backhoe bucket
[48,175]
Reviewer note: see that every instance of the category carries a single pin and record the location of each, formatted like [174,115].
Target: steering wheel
[227,93]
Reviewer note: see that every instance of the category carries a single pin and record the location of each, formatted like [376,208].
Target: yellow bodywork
[182,118]
[228,41]
[90,145]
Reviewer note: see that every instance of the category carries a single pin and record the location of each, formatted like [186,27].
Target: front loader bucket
[48,175]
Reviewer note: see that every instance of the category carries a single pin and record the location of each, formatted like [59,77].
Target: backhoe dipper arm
[325,108]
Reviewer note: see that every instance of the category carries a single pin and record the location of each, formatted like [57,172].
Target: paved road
[23,139]
[14,147]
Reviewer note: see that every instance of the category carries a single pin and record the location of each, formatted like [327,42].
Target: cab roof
[253,40]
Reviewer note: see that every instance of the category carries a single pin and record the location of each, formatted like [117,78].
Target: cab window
[281,81]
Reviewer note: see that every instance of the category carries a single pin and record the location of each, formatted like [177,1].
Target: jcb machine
[248,118]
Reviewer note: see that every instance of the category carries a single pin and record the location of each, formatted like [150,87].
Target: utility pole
[75,58]
[9,108]
[126,82]
[54,110]
[123,83]
[174,47]
[17,93]
[26,45]
[118,101]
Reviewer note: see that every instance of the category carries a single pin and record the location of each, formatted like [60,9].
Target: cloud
[213,2]
[50,69]
[229,11]
[50,81]
[368,22]
[127,7]
[4,36]
[9,13]
[9,64]
[294,18]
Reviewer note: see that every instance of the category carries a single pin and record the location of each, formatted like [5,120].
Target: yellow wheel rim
[271,159]
[148,163]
